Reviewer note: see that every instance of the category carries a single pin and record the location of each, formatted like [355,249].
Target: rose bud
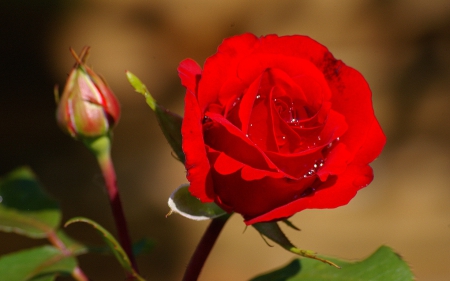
[87,107]
[276,125]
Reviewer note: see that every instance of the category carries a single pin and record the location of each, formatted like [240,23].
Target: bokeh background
[402,47]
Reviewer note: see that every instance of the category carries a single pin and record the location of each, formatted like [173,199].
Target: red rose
[275,125]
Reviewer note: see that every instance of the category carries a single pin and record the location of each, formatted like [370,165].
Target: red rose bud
[87,107]
[276,125]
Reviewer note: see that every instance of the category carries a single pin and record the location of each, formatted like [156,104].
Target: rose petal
[226,165]
[221,68]
[336,162]
[337,191]
[197,164]
[189,72]
[219,133]
[353,99]
[256,197]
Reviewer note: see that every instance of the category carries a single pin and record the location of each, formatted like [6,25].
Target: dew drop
[258,96]
[281,140]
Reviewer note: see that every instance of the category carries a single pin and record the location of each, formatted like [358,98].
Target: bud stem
[204,247]
[101,147]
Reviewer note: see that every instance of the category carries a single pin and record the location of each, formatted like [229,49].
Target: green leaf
[182,202]
[115,246]
[42,263]
[273,231]
[169,122]
[25,208]
[75,247]
[383,265]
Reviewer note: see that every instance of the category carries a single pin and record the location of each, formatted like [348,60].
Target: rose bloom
[275,125]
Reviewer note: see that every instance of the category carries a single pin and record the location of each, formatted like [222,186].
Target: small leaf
[169,122]
[383,265]
[115,246]
[40,263]
[182,202]
[273,231]
[25,208]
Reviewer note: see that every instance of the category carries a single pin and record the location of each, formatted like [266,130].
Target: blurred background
[402,47]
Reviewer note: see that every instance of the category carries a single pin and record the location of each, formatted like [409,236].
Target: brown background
[402,47]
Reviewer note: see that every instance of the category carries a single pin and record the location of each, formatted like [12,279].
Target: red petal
[220,69]
[337,191]
[189,72]
[353,99]
[223,136]
[255,197]
[196,163]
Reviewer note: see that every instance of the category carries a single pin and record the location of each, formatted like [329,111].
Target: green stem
[204,247]
[101,147]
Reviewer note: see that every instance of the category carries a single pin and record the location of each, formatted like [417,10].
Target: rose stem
[102,150]
[77,273]
[204,248]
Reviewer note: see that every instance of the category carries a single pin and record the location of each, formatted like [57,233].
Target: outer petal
[197,164]
[255,197]
[220,69]
[351,96]
[295,46]
[337,191]
[189,72]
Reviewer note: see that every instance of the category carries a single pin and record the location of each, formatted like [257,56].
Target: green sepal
[24,206]
[382,265]
[273,231]
[169,122]
[182,202]
[115,246]
[41,263]
[290,224]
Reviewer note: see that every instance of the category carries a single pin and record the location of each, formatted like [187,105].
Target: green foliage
[115,247]
[42,263]
[383,265]
[25,208]
[182,202]
[273,231]
[169,122]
